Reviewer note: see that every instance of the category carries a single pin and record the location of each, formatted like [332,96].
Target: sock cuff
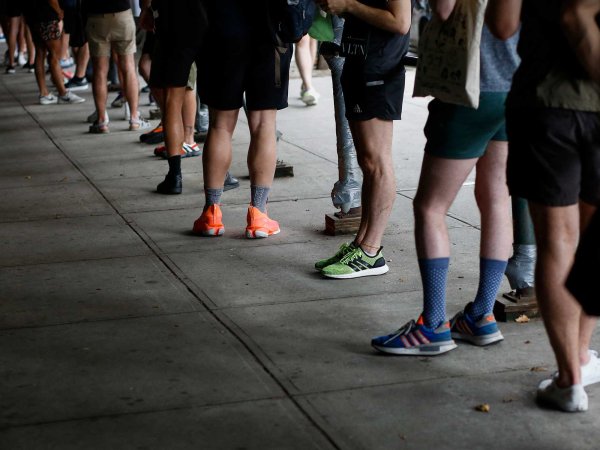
[434,263]
[493,264]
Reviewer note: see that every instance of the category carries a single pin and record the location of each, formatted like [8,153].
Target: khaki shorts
[106,31]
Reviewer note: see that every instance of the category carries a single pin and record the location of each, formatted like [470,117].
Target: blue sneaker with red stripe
[481,332]
[415,338]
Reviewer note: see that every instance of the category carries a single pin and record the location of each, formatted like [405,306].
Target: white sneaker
[70,98]
[47,99]
[570,399]
[310,97]
[21,59]
[590,372]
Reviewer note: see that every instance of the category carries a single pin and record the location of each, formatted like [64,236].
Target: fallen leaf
[527,342]
[507,400]
[538,369]
[522,319]
[484,407]
[28,177]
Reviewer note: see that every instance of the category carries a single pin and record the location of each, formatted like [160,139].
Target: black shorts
[554,155]
[368,96]
[171,64]
[74,25]
[149,44]
[237,68]
[11,8]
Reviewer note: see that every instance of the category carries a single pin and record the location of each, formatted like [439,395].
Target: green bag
[322,27]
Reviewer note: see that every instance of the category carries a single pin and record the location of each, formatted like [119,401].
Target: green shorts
[459,132]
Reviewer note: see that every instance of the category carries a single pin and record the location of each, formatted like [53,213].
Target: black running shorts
[234,68]
[171,64]
[554,155]
[369,95]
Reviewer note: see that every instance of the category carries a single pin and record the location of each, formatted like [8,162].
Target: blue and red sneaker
[482,332]
[415,338]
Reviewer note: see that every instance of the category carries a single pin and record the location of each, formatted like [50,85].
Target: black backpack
[293,18]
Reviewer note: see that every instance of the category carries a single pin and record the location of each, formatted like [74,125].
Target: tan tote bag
[448,64]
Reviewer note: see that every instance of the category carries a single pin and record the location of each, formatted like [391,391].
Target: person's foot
[21,59]
[70,98]
[259,225]
[47,99]
[231,182]
[77,84]
[100,127]
[357,263]
[29,67]
[482,332]
[569,399]
[210,223]
[138,124]
[310,97]
[344,249]
[187,150]
[10,69]
[154,136]
[416,339]
[171,185]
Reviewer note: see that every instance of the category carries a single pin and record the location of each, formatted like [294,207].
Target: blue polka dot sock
[491,272]
[433,276]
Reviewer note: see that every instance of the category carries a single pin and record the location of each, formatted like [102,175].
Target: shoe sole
[171,192]
[212,232]
[77,88]
[359,274]
[480,341]
[428,350]
[260,234]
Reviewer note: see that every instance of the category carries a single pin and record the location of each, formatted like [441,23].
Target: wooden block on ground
[338,223]
[282,169]
[506,310]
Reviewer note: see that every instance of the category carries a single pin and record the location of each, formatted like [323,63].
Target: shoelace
[354,254]
[406,328]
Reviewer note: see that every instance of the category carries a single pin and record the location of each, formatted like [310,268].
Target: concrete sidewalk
[120,329]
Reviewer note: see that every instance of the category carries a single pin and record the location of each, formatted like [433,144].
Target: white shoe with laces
[569,399]
[47,99]
[70,98]
[590,372]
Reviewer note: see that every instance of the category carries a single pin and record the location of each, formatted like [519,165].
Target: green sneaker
[345,248]
[357,264]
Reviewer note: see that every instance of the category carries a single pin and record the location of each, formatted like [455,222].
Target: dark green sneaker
[357,264]
[345,248]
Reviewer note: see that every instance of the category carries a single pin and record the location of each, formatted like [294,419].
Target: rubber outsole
[259,234]
[429,350]
[480,341]
[363,273]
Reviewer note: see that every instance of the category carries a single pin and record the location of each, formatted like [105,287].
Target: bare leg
[440,181]
[262,154]
[82,57]
[305,61]
[557,232]
[40,71]
[130,83]
[54,49]
[373,141]
[216,158]
[172,120]
[11,38]
[189,115]
[100,90]
[491,193]
[30,46]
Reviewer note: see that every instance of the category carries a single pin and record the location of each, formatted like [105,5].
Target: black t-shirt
[38,11]
[105,6]
[379,50]
[183,23]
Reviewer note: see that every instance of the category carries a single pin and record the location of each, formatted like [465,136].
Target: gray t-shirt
[499,61]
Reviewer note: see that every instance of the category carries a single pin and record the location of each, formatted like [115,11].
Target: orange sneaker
[259,224]
[210,223]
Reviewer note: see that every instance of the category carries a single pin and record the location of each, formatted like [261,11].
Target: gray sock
[259,196]
[213,196]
